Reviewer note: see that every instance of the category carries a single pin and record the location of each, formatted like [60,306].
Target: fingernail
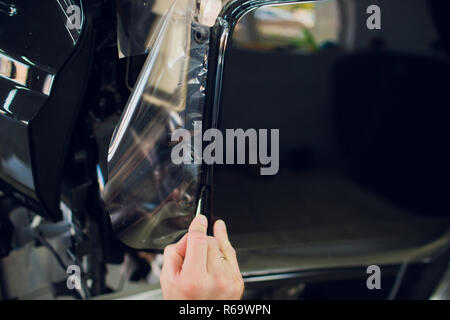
[221,225]
[203,220]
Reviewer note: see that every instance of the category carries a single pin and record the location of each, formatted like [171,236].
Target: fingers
[214,264]
[220,233]
[173,257]
[197,247]
[231,266]
[194,269]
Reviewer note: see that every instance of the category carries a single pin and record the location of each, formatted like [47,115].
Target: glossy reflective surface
[27,76]
[35,42]
[150,199]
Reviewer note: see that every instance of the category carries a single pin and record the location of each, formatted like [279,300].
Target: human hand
[200,267]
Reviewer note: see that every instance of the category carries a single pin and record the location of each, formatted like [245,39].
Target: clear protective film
[150,199]
[138,21]
[135,21]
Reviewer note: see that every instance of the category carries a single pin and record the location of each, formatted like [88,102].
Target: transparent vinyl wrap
[151,200]
[138,21]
